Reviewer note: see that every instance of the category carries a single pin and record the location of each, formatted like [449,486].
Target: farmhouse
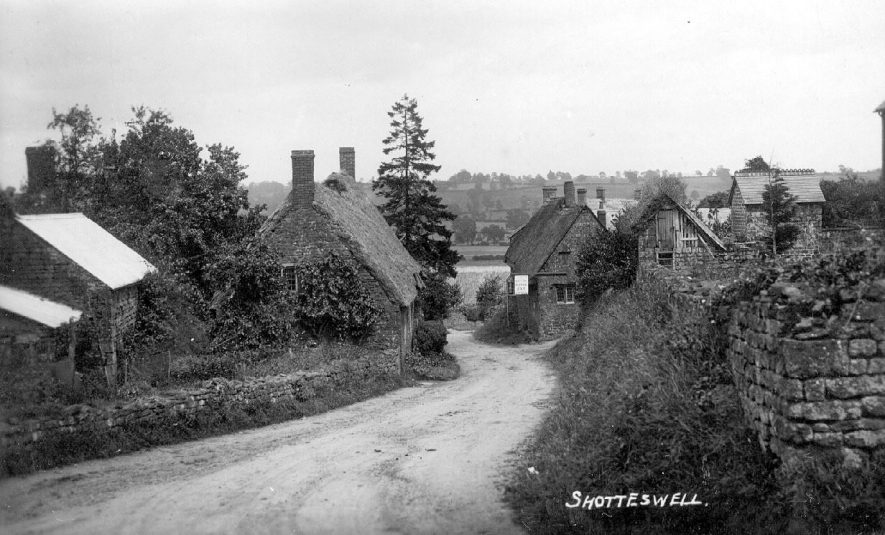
[545,251]
[317,219]
[670,234]
[750,221]
[55,265]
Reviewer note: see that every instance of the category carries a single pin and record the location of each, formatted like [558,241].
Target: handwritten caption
[632,499]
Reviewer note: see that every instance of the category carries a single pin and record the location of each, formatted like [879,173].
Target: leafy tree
[757,163]
[715,200]
[780,206]
[494,233]
[438,297]
[852,201]
[465,229]
[411,205]
[723,172]
[671,185]
[632,176]
[608,260]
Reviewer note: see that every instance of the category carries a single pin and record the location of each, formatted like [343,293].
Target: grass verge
[496,330]
[646,405]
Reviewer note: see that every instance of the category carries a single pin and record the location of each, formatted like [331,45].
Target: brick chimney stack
[547,193]
[568,189]
[601,216]
[347,160]
[600,194]
[302,179]
[582,196]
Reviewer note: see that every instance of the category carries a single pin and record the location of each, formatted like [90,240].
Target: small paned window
[565,294]
[290,277]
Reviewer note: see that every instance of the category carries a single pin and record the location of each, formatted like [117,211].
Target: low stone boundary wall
[213,395]
[810,383]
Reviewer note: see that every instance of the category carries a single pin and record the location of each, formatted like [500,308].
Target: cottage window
[290,277]
[565,294]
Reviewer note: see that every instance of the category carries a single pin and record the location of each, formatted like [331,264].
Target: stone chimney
[41,166]
[547,193]
[582,196]
[568,190]
[347,160]
[600,194]
[302,179]
[601,215]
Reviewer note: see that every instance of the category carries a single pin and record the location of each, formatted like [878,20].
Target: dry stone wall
[811,384]
[214,395]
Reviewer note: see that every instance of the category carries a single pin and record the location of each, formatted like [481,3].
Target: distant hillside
[269,193]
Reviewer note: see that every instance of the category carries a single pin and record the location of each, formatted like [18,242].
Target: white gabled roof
[36,308]
[804,188]
[89,246]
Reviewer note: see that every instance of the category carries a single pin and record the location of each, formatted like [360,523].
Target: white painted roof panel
[36,308]
[90,246]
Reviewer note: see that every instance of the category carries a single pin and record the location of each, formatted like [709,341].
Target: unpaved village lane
[427,459]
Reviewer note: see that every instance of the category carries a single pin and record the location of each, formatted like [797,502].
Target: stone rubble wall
[213,395]
[811,387]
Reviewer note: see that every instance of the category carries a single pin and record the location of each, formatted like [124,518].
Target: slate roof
[536,240]
[90,246]
[368,235]
[36,308]
[806,188]
[665,202]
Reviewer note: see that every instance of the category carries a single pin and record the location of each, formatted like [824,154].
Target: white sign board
[520,284]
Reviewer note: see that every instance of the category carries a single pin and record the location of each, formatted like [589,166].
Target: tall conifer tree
[411,204]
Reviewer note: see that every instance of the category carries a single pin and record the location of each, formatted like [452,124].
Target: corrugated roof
[36,308]
[536,240]
[89,246]
[804,188]
[665,202]
[370,238]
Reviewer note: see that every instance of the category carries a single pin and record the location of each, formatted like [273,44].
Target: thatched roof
[535,241]
[805,188]
[371,240]
[665,202]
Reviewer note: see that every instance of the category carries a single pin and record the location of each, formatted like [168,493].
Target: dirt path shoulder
[426,459]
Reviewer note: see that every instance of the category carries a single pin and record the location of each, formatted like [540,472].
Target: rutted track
[427,459]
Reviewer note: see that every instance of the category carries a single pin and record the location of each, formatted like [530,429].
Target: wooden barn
[670,233]
[544,252]
[337,216]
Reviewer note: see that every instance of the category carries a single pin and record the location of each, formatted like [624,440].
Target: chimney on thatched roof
[40,163]
[600,194]
[547,193]
[582,196]
[568,190]
[347,161]
[302,179]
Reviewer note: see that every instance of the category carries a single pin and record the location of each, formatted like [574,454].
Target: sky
[517,87]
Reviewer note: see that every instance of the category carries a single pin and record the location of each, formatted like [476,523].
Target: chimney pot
[347,161]
[302,178]
[582,196]
[568,189]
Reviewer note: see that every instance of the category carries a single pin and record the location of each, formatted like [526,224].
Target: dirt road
[426,459]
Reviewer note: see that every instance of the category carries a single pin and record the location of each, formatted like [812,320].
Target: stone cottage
[69,260]
[749,221]
[670,234]
[545,250]
[317,219]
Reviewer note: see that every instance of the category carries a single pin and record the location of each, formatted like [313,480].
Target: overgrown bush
[430,337]
[332,302]
[608,260]
[438,296]
[497,330]
[489,295]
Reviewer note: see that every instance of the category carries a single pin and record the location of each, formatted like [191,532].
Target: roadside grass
[646,404]
[496,330]
[65,448]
